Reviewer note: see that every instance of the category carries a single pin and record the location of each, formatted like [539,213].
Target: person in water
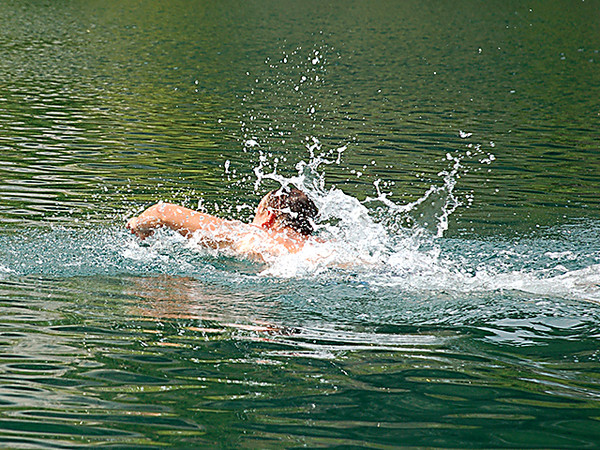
[282,224]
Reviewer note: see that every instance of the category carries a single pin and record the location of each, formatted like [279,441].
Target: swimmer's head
[287,208]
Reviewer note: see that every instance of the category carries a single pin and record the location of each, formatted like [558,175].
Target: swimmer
[282,224]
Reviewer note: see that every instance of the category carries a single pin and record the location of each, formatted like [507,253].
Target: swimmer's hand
[144,225]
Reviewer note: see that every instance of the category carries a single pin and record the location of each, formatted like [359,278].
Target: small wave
[5,270]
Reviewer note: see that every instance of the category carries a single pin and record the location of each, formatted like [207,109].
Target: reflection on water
[171,360]
[452,150]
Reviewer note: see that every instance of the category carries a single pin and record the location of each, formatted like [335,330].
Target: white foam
[413,259]
[387,252]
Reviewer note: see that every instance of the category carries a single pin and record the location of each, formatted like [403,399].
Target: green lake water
[452,149]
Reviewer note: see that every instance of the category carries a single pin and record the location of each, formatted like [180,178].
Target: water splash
[403,245]
[432,210]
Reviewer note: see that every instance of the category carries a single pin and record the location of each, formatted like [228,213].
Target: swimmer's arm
[183,220]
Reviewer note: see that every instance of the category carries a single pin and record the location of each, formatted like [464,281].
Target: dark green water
[452,149]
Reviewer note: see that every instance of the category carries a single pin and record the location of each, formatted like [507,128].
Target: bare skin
[265,236]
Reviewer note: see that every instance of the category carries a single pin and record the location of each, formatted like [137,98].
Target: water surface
[452,150]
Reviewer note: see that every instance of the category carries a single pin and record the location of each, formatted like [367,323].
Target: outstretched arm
[183,220]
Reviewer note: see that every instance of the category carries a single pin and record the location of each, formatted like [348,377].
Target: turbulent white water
[382,252]
[375,242]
